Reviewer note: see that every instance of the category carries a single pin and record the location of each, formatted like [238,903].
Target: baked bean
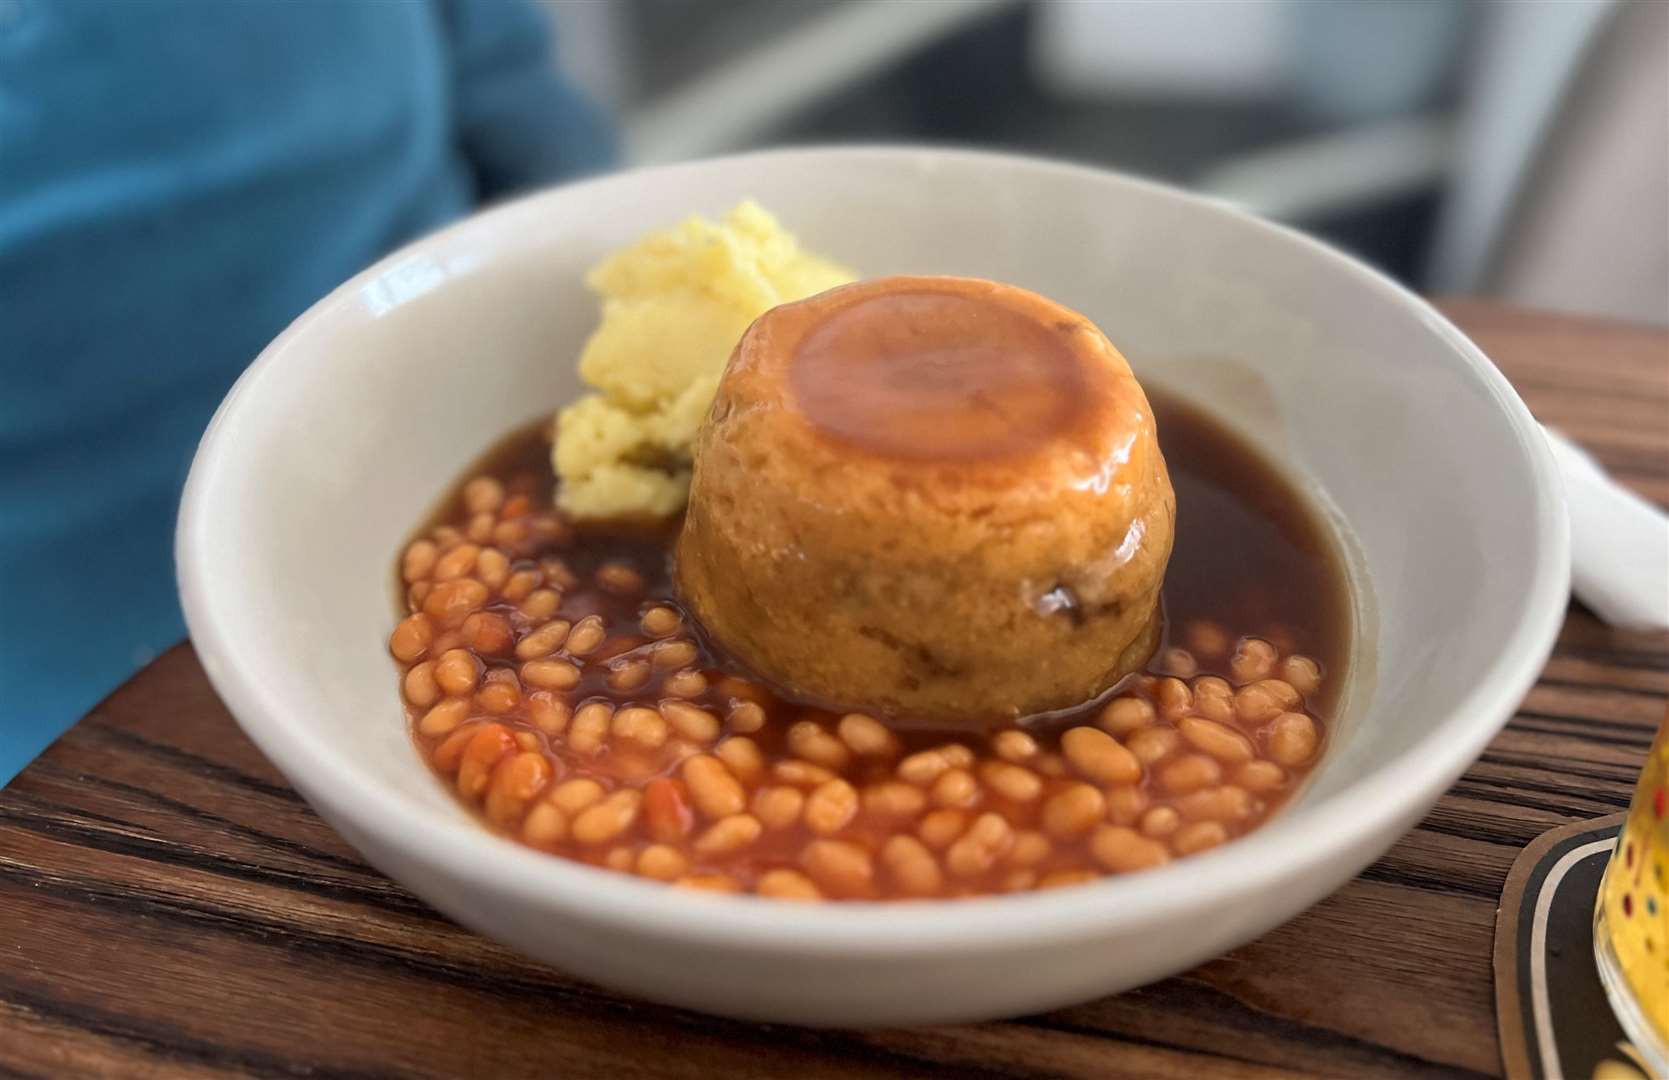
[411,637]
[728,835]
[550,674]
[1060,879]
[893,799]
[586,636]
[672,654]
[1014,746]
[1214,698]
[807,739]
[521,585]
[1220,741]
[744,759]
[785,884]
[867,736]
[515,783]
[627,674]
[1099,756]
[619,579]
[660,621]
[547,712]
[1173,697]
[527,740]
[540,605]
[1030,847]
[545,825]
[719,883]
[1160,822]
[492,568]
[499,696]
[446,537]
[715,792]
[1072,810]
[1052,766]
[573,796]
[417,594]
[980,847]
[1198,836]
[557,573]
[923,768]
[514,507]
[509,534]
[450,752]
[696,724]
[451,602]
[446,640]
[1226,803]
[1190,773]
[746,717]
[778,807]
[457,671]
[1302,673]
[911,866]
[589,728]
[795,771]
[608,819]
[480,528]
[487,633]
[1123,850]
[1264,700]
[543,641]
[1207,638]
[419,685]
[1125,715]
[443,717]
[1292,739]
[666,809]
[1015,783]
[687,683]
[1125,804]
[661,862]
[938,828]
[483,494]
[1179,662]
[955,787]
[640,725]
[1153,744]
[1260,776]
[841,867]
[456,563]
[957,755]
[475,767]
[1253,659]
[419,561]
[830,807]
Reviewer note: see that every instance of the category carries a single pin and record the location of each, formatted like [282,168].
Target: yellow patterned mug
[1631,920]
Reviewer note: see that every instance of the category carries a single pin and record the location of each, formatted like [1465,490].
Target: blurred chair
[1560,194]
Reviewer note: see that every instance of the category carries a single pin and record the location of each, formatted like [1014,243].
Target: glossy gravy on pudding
[554,683]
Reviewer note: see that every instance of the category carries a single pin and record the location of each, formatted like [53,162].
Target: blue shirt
[178,181]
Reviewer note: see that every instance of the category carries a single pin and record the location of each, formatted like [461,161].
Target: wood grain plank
[170,908]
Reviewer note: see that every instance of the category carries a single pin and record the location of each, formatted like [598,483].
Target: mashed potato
[674,306]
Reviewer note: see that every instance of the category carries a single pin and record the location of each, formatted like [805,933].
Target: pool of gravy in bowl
[694,772]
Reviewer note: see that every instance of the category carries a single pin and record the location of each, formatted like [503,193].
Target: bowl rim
[1304,838]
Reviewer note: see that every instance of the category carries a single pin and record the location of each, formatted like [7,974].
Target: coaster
[1553,1016]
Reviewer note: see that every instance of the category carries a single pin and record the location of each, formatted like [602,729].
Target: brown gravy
[1250,551]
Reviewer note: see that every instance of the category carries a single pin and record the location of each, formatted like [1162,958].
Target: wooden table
[170,907]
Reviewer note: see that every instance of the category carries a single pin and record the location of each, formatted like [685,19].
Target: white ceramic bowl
[340,437]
